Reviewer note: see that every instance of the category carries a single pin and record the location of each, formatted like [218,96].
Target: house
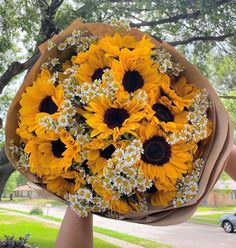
[223,194]
[26,191]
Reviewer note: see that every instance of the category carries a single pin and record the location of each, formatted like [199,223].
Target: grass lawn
[208,219]
[43,235]
[206,209]
[204,221]
[131,239]
[213,218]
[39,202]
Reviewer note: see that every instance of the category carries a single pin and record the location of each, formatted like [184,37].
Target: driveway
[186,235]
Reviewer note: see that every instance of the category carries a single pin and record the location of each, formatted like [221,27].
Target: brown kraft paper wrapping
[216,152]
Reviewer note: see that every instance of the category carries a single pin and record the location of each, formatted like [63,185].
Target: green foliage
[225,177]
[230,105]
[36,211]
[14,180]
[11,184]
[20,22]
[222,72]
[20,26]
[5,101]
[20,180]
[206,209]
[20,243]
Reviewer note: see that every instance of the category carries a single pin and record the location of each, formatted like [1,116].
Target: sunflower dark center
[107,152]
[98,73]
[156,151]
[114,117]
[58,147]
[47,105]
[162,112]
[153,189]
[132,81]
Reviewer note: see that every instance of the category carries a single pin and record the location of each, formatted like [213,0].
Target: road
[186,235]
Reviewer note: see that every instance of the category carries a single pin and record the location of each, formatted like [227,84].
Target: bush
[9,242]
[36,211]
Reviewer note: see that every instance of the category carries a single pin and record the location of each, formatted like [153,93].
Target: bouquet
[116,123]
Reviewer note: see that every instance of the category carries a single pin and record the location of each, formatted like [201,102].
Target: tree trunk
[5,171]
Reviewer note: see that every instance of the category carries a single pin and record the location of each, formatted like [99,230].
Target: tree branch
[176,18]
[201,38]
[47,29]
[167,20]
[5,171]
[16,68]
[229,97]
[118,1]
[3,157]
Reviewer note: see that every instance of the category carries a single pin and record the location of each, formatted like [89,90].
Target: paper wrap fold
[215,154]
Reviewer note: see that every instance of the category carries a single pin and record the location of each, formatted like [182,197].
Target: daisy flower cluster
[115,127]
[198,126]
[198,116]
[188,185]
[84,202]
[163,58]
[50,63]
[121,175]
[77,40]
[22,158]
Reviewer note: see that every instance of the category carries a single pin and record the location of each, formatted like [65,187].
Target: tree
[230,106]
[196,27]
[20,180]
[11,184]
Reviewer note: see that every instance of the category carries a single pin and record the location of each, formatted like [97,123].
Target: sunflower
[67,182]
[107,118]
[43,99]
[82,57]
[133,72]
[52,156]
[167,96]
[160,111]
[98,153]
[92,63]
[120,206]
[185,90]
[98,187]
[163,197]
[24,133]
[62,73]
[117,205]
[161,194]
[112,45]
[161,161]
